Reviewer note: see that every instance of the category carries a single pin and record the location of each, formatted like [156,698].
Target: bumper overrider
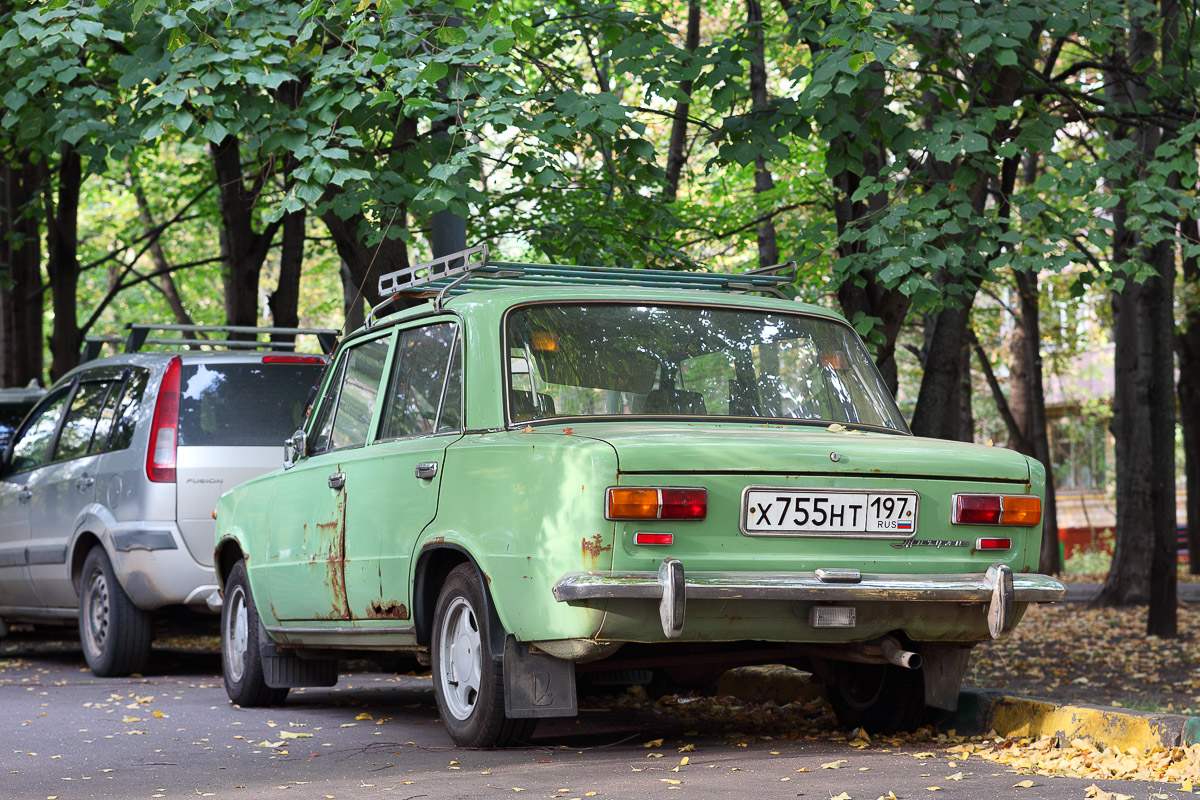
[999,588]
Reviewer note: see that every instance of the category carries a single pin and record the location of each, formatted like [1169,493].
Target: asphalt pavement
[1188,592]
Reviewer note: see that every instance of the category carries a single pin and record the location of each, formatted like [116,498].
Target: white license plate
[768,511]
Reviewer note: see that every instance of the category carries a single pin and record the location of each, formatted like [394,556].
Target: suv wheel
[468,682]
[115,633]
[881,698]
[241,658]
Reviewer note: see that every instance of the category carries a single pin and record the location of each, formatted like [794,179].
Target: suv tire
[467,680]
[241,656]
[114,632]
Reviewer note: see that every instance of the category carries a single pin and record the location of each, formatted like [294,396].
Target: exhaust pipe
[897,655]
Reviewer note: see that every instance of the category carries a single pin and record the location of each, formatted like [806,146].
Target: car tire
[241,656]
[115,633]
[879,698]
[467,680]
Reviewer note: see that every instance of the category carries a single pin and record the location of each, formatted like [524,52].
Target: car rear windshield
[249,404]
[604,359]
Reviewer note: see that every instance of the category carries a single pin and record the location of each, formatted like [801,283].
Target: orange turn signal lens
[624,503]
[1022,510]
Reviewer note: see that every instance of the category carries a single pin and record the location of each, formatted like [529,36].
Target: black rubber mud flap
[536,684]
[284,671]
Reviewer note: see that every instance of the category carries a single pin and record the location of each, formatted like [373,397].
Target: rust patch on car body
[332,536]
[434,540]
[391,609]
[593,547]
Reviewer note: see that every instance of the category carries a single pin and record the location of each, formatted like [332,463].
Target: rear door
[233,419]
[392,490]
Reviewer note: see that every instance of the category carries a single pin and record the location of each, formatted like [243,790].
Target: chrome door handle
[25,494]
[426,469]
[337,480]
[84,482]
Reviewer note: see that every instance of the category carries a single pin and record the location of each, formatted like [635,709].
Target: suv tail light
[164,431]
[293,360]
[996,509]
[624,502]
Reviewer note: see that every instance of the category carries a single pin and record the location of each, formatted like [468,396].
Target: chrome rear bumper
[999,588]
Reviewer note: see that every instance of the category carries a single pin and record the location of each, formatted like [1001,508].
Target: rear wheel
[115,633]
[880,698]
[468,682]
[241,657]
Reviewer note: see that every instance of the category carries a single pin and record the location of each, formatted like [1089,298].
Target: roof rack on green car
[471,270]
[206,336]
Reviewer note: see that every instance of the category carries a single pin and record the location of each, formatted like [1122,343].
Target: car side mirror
[294,448]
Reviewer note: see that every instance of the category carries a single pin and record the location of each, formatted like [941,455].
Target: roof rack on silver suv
[470,269]
[206,336]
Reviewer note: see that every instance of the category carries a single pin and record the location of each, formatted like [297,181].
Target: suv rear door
[233,419]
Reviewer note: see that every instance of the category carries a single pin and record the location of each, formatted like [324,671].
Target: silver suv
[108,488]
[14,405]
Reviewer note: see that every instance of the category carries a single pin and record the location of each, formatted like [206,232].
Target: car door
[393,488]
[30,450]
[66,486]
[306,546]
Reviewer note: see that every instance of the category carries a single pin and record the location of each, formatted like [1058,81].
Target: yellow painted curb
[1104,727]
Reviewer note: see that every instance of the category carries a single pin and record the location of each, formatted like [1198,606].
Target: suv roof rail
[211,336]
[470,269]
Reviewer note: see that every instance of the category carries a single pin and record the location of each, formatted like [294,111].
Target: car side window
[345,418]
[32,447]
[82,424]
[419,380]
[126,411]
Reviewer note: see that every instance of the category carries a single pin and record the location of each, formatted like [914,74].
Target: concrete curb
[982,711]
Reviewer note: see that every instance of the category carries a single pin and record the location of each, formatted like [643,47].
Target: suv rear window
[252,405]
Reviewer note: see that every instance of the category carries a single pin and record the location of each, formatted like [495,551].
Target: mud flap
[536,684]
[285,671]
[943,668]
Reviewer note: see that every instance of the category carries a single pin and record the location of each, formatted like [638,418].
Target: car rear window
[251,405]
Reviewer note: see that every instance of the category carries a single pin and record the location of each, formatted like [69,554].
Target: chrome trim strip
[289,629]
[806,586]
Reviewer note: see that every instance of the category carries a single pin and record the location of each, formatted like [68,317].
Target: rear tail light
[293,360]
[624,502]
[647,537]
[995,509]
[164,431]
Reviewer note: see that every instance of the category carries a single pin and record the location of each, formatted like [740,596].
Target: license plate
[768,511]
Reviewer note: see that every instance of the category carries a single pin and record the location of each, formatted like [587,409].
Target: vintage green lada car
[549,473]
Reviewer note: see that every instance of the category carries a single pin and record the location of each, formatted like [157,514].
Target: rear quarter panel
[243,515]
[529,507]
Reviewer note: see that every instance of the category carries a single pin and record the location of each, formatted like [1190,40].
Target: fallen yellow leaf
[834,764]
[653,743]
[1023,785]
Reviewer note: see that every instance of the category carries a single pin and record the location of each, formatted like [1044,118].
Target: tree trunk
[1187,345]
[940,399]
[352,301]
[20,275]
[62,262]
[768,248]
[677,149]
[243,249]
[284,302]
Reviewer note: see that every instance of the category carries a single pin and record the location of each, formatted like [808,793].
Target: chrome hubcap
[237,635]
[96,611]
[461,662]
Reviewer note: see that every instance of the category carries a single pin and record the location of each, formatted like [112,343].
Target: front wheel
[241,657]
[468,682]
[115,633]
[880,698]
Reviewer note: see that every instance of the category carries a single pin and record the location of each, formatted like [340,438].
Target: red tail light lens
[624,502]
[977,509]
[684,503]
[994,509]
[993,544]
[160,456]
[644,537]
